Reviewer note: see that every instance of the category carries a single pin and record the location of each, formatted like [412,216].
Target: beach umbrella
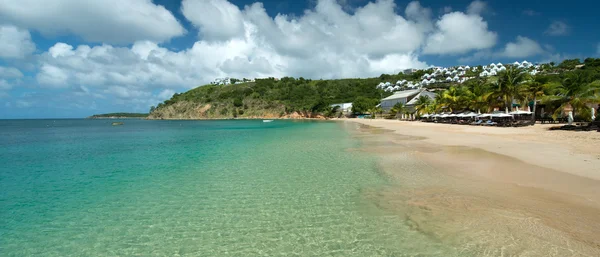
[470,114]
[501,115]
[518,112]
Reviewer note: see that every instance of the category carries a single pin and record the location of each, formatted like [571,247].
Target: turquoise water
[193,188]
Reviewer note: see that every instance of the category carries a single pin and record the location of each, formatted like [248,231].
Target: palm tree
[535,88]
[396,109]
[422,103]
[510,85]
[576,90]
[456,97]
[375,110]
[479,95]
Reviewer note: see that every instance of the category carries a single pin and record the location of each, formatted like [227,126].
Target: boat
[267,120]
[117,123]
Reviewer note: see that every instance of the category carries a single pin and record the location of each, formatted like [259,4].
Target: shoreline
[566,151]
[505,191]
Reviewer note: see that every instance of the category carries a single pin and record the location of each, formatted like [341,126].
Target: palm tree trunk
[534,106]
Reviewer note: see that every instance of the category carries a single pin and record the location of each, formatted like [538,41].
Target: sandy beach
[492,191]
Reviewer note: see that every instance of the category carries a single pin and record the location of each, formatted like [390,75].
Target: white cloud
[53,76]
[477,7]
[323,42]
[216,19]
[110,21]
[414,11]
[557,28]
[10,73]
[166,94]
[126,93]
[458,33]
[15,42]
[522,47]
[4,85]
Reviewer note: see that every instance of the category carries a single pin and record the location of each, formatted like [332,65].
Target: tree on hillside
[569,64]
[363,104]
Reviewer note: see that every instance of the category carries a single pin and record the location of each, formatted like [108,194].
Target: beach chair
[477,123]
[490,123]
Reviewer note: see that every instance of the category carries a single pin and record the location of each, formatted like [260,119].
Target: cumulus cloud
[459,33]
[557,28]
[522,47]
[324,42]
[15,42]
[216,19]
[10,73]
[477,7]
[104,21]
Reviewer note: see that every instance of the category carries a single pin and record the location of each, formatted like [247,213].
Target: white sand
[493,191]
[577,153]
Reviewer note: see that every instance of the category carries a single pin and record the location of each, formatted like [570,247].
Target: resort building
[345,108]
[457,74]
[399,97]
[410,105]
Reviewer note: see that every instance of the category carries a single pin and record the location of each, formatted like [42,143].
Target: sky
[75,58]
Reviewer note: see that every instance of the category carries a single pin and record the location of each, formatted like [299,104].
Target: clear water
[193,188]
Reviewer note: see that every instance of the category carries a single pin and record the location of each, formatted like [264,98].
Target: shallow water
[196,188]
[483,203]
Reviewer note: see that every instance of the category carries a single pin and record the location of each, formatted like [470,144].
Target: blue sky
[74,58]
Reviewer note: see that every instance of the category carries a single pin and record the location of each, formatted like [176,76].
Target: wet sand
[498,192]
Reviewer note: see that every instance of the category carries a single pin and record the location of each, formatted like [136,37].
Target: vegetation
[396,109]
[274,97]
[570,84]
[119,115]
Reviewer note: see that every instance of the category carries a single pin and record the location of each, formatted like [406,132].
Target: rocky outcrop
[249,110]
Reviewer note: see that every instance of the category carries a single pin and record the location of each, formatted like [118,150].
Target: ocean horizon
[195,188]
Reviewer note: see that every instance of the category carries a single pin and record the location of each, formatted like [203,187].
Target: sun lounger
[490,123]
[476,123]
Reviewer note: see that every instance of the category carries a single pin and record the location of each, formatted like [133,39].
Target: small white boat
[267,120]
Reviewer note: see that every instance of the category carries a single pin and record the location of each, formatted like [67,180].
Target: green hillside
[269,98]
[570,82]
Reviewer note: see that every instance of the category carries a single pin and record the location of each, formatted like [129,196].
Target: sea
[80,187]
